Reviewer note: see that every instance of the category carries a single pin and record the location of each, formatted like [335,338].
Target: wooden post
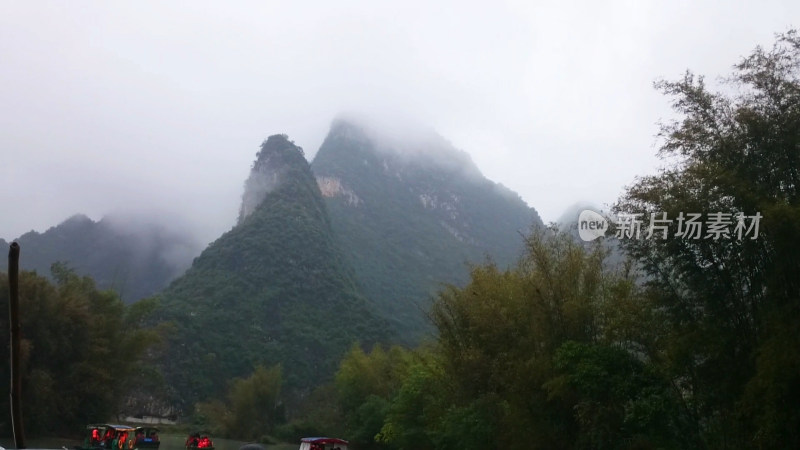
[13,320]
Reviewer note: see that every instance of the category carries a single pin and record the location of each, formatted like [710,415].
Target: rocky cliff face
[270,168]
[412,212]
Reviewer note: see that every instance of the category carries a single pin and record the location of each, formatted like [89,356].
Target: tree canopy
[82,349]
[731,304]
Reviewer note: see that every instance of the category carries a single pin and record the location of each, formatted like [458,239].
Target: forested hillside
[412,213]
[275,289]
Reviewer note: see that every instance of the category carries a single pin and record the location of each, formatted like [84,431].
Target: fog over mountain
[412,213]
[157,105]
[137,255]
[402,199]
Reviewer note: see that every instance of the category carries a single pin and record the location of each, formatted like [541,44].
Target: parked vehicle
[199,440]
[103,436]
[146,438]
[323,443]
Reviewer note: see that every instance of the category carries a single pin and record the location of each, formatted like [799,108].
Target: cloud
[135,105]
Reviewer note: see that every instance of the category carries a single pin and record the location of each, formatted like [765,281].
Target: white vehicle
[322,443]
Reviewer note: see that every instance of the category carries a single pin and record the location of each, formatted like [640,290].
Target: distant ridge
[136,258]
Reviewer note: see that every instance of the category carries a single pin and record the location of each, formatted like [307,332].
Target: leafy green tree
[554,353]
[499,333]
[253,406]
[731,305]
[317,413]
[365,383]
[80,347]
[619,400]
[415,410]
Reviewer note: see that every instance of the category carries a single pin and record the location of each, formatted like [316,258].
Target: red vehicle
[323,443]
[199,441]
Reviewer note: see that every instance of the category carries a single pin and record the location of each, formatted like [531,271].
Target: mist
[406,139]
[158,233]
[161,108]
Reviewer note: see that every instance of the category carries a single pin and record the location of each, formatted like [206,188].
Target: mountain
[350,248]
[275,289]
[412,211]
[135,257]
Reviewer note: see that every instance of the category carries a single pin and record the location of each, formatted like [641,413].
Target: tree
[619,400]
[731,304]
[544,355]
[498,336]
[365,383]
[416,408]
[253,406]
[80,347]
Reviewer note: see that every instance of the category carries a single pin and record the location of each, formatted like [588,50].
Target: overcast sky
[161,106]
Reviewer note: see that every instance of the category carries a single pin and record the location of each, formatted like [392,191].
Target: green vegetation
[561,352]
[273,290]
[691,344]
[252,409]
[531,357]
[410,219]
[730,307]
[82,351]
